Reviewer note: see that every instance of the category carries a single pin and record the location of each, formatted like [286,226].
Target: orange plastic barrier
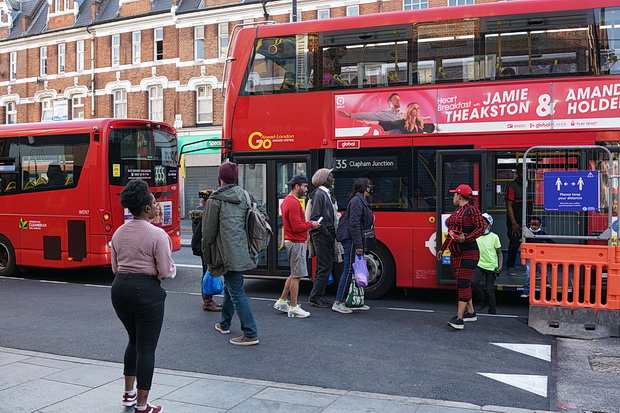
[574,276]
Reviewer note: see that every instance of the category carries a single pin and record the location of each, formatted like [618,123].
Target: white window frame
[11,113]
[67,5]
[13,66]
[353,10]
[47,110]
[77,106]
[158,36]
[136,47]
[156,103]
[116,50]
[222,39]
[456,3]
[322,14]
[199,43]
[62,57]
[43,61]
[204,104]
[415,4]
[298,17]
[79,56]
[57,4]
[119,103]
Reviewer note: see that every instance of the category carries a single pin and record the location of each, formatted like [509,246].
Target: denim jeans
[236,300]
[345,278]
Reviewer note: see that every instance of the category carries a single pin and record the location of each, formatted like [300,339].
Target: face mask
[486,231]
[536,230]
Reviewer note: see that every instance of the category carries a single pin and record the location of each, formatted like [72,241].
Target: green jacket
[224,239]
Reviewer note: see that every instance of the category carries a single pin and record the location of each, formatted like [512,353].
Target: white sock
[141,407]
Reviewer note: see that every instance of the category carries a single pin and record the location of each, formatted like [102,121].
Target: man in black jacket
[323,238]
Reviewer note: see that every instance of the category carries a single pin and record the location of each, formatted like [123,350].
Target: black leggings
[138,300]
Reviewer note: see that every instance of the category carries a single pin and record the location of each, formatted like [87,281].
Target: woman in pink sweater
[141,258]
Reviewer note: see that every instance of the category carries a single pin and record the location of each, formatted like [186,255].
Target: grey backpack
[258,229]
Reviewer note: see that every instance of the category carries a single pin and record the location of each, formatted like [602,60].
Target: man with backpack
[225,249]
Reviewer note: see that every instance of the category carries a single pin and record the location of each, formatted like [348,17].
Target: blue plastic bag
[360,271]
[212,285]
[330,279]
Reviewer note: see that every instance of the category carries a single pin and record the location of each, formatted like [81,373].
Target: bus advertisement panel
[60,188]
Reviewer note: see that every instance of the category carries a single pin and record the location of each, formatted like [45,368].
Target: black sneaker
[470,316]
[319,302]
[457,323]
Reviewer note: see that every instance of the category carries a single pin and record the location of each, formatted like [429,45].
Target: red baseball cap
[464,190]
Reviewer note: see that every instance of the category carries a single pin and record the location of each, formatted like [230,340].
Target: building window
[323,14]
[415,4]
[159,44]
[353,10]
[120,103]
[79,55]
[47,110]
[13,68]
[459,2]
[77,107]
[43,61]
[136,47]
[222,37]
[67,5]
[156,103]
[298,17]
[61,57]
[204,104]
[199,43]
[57,6]
[11,113]
[116,49]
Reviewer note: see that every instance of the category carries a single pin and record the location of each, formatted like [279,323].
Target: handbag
[212,285]
[368,239]
[355,297]
[360,271]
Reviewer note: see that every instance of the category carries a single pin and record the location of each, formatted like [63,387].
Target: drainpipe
[92,72]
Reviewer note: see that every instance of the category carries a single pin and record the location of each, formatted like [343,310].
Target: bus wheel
[7,257]
[381,271]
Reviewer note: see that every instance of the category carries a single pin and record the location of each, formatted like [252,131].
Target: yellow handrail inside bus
[29,185]
[40,181]
[11,185]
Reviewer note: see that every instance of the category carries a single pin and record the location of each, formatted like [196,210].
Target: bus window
[609,39]
[282,65]
[52,162]
[389,169]
[446,52]
[141,153]
[537,46]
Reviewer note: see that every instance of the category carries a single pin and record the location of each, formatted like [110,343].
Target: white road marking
[411,309]
[189,265]
[97,285]
[540,351]
[528,382]
[53,282]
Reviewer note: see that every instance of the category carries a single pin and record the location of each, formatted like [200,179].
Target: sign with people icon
[571,191]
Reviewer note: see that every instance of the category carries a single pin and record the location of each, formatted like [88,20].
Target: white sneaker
[341,308]
[298,312]
[282,306]
[363,308]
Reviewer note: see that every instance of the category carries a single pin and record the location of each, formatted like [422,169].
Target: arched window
[119,97]
[204,104]
[11,113]
[156,103]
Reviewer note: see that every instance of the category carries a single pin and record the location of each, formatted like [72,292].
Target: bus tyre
[7,257]
[381,270]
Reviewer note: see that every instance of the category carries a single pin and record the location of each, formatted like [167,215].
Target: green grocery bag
[355,297]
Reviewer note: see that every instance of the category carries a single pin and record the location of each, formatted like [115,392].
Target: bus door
[456,167]
[267,179]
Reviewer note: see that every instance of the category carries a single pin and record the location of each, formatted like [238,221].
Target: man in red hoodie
[295,234]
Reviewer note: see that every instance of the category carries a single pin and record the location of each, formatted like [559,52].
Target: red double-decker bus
[420,102]
[60,185]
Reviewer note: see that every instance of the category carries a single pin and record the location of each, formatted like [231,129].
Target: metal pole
[294,18]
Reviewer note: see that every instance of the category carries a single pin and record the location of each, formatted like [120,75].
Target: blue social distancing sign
[571,191]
